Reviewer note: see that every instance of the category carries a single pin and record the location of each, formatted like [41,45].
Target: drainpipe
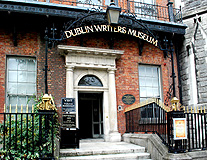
[178,64]
[173,70]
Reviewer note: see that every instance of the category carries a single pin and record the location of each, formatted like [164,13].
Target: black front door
[90,115]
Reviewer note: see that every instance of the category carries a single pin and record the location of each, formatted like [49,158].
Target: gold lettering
[139,35]
[89,29]
[132,32]
[150,40]
[111,28]
[98,28]
[108,28]
[154,42]
[79,31]
[124,30]
[70,32]
[119,29]
[82,32]
[115,29]
[145,37]
[104,27]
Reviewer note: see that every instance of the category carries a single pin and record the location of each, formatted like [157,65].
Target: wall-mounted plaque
[128,99]
[69,121]
[68,105]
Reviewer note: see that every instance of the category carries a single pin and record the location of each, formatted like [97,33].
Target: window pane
[13,100]
[31,65]
[12,64]
[31,77]
[156,92]
[148,71]
[148,82]
[22,88]
[12,88]
[155,72]
[12,76]
[149,92]
[30,89]
[155,82]
[22,76]
[22,101]
[142,81]
[141,71]
[22,64]
[143,92]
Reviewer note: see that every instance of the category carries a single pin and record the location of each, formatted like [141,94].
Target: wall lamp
[113,13]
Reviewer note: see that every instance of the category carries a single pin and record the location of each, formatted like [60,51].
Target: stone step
[92,140]
[102,148]
[126,156]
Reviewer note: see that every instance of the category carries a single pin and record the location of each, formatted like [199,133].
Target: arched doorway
[90,79]
[90,109]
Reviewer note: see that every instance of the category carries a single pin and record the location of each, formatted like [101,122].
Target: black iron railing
[138,9]
[27,135]
[153,117]
[197,130]
[148,117]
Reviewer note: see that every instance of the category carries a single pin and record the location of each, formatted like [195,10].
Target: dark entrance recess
[90,113]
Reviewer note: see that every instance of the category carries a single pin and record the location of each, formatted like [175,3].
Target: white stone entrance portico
[82,61]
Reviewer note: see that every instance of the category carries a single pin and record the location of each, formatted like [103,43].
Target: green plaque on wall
[128,99]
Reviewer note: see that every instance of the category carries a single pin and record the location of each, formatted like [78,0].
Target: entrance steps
[97,149]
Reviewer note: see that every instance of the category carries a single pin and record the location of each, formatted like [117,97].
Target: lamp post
[113,13]
[46,65]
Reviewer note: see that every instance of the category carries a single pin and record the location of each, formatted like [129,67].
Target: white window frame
[159,81]
[28,96]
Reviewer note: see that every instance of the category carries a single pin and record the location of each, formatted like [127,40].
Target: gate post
[176,145]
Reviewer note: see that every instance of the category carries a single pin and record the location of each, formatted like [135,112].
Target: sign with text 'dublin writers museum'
[107,28]
[180,128]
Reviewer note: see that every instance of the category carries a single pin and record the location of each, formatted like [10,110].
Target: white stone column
[106,122]
[114,135]
[69,81]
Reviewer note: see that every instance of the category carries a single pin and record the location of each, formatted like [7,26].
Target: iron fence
[27,135]
[138,9]
[197,129]
[151,117]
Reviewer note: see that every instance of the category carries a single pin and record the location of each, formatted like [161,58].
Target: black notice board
[69,121]
[68,105]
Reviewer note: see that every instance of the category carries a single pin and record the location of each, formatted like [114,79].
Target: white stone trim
[81,61]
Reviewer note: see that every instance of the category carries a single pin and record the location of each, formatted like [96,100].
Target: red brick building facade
[23,37]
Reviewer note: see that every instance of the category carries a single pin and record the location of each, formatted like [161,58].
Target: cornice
[64,49]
